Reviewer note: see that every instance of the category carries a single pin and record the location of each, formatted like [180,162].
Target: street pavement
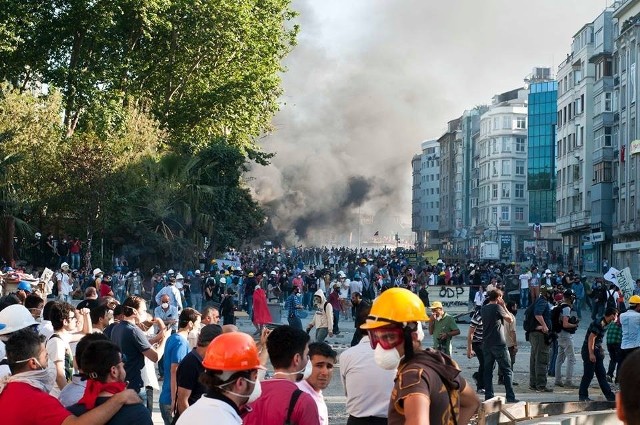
[334,394]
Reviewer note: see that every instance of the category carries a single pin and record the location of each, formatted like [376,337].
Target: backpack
[529,323]
[54,288]
[556,320]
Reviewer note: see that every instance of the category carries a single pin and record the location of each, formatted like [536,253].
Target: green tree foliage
[133,120]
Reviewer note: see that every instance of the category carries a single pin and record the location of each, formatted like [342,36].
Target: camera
[574,320]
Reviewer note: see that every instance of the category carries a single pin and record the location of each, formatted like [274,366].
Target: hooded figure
[323,317]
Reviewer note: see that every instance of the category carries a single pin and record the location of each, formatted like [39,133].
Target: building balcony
[573,221]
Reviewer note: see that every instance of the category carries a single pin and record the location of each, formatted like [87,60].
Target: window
[494,214]
[519,168]
[506,167]
[504,213]
[494,190]
[506,144]
[520,147]
[602,172]
[607,102]
[521,122]
[494,168]
[506,190]
[494,146]
[520,190]
[506,122]
[519,213]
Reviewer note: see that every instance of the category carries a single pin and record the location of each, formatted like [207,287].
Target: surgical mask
[255,393]
[45,376]
[386,359]
[165,305]
[420,332]
[305,373]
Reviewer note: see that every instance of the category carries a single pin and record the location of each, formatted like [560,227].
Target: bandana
[94,388]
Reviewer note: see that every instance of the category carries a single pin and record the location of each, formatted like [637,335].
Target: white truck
[489,251]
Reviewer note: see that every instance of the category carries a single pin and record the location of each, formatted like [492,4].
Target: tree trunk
[6,239]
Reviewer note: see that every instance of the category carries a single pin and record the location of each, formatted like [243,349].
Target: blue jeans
[336,318]
[524,297]
[142,393]
[166,412]
[596,368]
[321,334]
[75,261]
[249,300]
[197,301]
[295,322]
[497,354]
[553,356]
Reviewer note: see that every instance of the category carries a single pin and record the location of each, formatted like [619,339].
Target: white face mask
[302,373]
[255,393]
[386,359]
[165,305]
[420,332]
[44,378]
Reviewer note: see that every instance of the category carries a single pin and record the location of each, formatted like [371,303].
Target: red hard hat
[232,351]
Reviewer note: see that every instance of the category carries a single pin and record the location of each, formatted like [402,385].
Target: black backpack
[556,320]
[611,301]
[529,323]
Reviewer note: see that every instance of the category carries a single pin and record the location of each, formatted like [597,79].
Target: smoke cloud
[370,80]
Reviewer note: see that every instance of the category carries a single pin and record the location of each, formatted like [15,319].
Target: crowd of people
[101,360]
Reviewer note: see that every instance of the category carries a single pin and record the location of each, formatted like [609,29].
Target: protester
[358,319]
[323,358]
[627,405]
[396,334]
[288,349]
[474,347]
[12,319]
[175,298]
[176,348]
[73,392]
[134,344]
[104,368]
[336,304]
[567,326]
[293,306]
[31,382]
[494,344]
[322,320]
[189,389]
[593,356]
[630,323]
[540,340]
[231,379]
[167,313]
[442,327]
[366,386]
[261,315]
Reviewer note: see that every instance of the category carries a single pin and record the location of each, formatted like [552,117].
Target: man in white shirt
[63,280]
[524,289]
[366,385]
[322,358]
[174,293]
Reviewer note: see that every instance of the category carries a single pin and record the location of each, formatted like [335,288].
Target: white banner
[612,275]
[625,283]
[223,264]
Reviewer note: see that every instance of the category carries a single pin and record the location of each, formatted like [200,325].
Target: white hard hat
[273,273]
[179,276]
[96,272]
[341,274]
[303,271]
[547,271]
[170,271]
[64,265]
[276,268]
[223,280]
[197,271]
[15,317]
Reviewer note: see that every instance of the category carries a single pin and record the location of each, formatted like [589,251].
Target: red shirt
[272,406]
[105,289]
[18,396]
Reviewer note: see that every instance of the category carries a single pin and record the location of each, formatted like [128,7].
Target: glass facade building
[541,166]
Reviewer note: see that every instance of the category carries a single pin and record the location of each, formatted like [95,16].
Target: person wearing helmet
[175,298]
[437,388]
[12,319]
[540,339]
[567,325]
[231,379]
[442,327]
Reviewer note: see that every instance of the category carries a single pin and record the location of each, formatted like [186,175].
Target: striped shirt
[476,322]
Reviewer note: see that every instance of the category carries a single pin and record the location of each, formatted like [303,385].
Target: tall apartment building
[544,242]
[425,217]
[599,244]
[626,184]
[450,215]
[574,149]
[502,160]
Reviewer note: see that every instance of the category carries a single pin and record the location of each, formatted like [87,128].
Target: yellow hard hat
[395,306]
[635,299]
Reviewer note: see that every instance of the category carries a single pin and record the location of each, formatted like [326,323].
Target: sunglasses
[388,338]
